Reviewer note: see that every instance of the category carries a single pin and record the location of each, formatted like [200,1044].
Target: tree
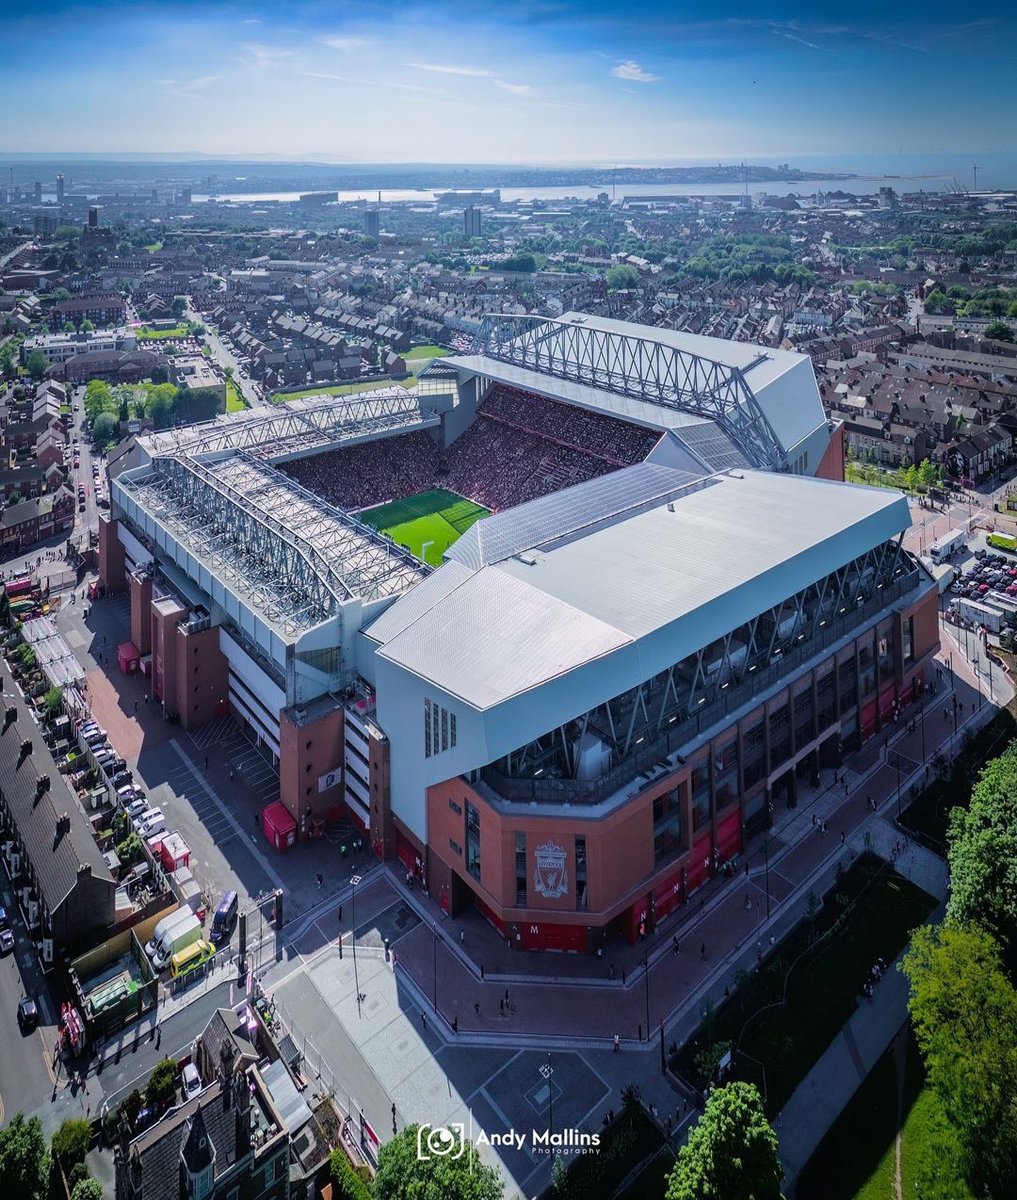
[964,1012]
[349,1182]
[162,1084]
[1000,331]
[71,1141]
[24,1159]
[87,1189]
[106,428]
[178,306]
[52,702]
[983,854]
[732,1152]
[36,364]
[622,276]
[68,327]
[87,326]
[401,1173]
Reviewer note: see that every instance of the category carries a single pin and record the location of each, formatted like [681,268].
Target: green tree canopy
[983,853]
[162,1083]
[964,1012]
[87,1189]
[732,1152]
[24,1159]
[1000,331]
[623,276]
[71,1141]
[401,1174]
[36,364]
[106,428]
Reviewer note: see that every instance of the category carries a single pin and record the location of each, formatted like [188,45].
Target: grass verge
[782,1017]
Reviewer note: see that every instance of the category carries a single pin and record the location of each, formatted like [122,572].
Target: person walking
[617,1043]
[702,952]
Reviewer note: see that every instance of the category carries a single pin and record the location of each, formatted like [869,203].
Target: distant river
[859,187]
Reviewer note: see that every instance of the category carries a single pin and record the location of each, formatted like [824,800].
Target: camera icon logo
[440,1141]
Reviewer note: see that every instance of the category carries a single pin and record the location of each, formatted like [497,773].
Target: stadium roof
[289,555]
[297,428]
[664,581]
[574,510]
[766,399]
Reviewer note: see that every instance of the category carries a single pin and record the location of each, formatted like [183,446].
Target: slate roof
[57,861]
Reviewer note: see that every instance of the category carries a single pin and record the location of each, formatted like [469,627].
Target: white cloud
[633,72]
[251,21]
[264,56]
[346,43]
[517,89]
[479,72]
[187,87]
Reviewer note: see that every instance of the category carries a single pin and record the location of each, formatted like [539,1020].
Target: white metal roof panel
[667,581]
[495,637]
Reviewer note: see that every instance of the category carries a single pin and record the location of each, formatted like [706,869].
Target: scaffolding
[642,368]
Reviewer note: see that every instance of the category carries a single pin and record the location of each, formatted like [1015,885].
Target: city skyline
[554,83]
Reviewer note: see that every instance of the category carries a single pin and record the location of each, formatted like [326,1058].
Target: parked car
[28,1014]
[137,808]
[122,778]
[191,1080]
[6,941]
[151,824]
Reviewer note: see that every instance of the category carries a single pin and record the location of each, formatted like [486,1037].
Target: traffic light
[278,910]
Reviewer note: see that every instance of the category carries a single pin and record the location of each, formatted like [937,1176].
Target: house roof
[58,861]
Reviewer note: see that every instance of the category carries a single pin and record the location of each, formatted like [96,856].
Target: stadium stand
[520,447]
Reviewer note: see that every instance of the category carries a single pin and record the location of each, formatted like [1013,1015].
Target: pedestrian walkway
[823,1094]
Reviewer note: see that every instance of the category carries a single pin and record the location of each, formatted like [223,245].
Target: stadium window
[521,868]
[472,841]
[456,848]
[452,728]
[427,728]
[456,808]
[444,729]
[581,873]
[909,641]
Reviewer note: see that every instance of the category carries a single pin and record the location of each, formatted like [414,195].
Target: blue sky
[517,81]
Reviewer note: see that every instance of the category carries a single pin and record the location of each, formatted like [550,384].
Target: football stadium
[558,629]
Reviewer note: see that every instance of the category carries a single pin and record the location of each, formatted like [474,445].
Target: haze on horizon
[521,82]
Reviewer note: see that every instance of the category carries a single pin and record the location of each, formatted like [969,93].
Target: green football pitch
[433,519]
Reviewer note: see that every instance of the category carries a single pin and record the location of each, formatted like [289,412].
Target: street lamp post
[353,929]
[897,762]
[434,956]
[766,859]
[646,982]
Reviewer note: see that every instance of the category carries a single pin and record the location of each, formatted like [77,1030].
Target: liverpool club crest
[550,876]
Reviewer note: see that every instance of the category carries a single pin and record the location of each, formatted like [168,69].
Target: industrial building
[674,612]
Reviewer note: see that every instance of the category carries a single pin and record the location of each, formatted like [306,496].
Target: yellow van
[189,959]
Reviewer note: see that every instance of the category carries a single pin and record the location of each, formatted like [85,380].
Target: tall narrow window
[427,728]
[581,899]
[520,868]
[444,729]
[472,841]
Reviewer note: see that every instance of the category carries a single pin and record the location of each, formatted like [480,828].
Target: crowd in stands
[371,473]
[593,433]
[519,448]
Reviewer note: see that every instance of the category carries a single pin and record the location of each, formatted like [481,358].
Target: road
[225,359]
[24,1074]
